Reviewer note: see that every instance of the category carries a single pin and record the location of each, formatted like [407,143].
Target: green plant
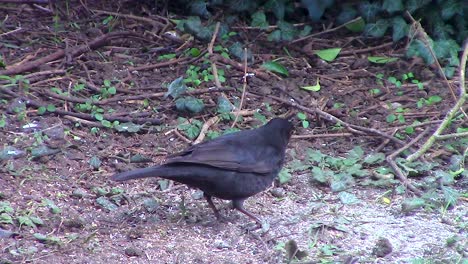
[303,117]
[191,128]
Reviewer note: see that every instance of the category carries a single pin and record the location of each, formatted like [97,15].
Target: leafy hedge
[444,21]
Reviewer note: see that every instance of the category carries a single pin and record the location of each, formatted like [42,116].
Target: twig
[323,32]
[205,128]
[178,134]
[391,160]
[449,116]
[75,51]
[214,68]
[159,65]
[244,88]
[333,135]
[352,128]
[143,19]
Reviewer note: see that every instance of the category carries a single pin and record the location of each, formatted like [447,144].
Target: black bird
[231,167]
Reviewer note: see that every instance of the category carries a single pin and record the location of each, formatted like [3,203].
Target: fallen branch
[73,52]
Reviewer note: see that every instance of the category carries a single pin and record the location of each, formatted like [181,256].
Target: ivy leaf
[313,88]
[450,8]
[413,5]
[356,26]
[198,8]
[400,28]
[176,88]
[316,7]
[377,29]
[288,31]
[417,48]
[224,105]
[278,7]
[328,54]
[190,104]
[369,10]
[275,67]
[259,20]
[392,6]
[284,176]
[347,13]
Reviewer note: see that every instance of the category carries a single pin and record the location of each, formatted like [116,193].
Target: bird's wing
[231,154]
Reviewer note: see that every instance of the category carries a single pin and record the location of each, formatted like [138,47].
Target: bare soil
[154,223]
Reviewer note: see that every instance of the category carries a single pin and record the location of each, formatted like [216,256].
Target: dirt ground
[59,177]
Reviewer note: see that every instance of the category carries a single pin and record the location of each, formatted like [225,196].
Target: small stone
[76,222]
[78,193]
[382,248]
[220,244]
[278,192]
[133,252]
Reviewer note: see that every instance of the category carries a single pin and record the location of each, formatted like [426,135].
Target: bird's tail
[155,171]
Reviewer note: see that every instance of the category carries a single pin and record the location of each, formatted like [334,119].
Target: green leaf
[106,123]
[274,36]
[128,127]
[176,88]
[417,48]
[288,31]
[413,5]
[112,90]
[380,59]
[98,116]
[259,20]
[224,105]
[106,203]
[315,155]
[25,220]
[450,8]
[167,56]
[374,158]
[199,8]
[348,198]
[95,162]
[301,116]
[278,7]
[377,29]
[356,153]
[400,28]
[41,110]
[356,26]
[347,13]
[195,52]
[36,220]
[328,54]
[284,176]
[51,108]
[313,88]
[391,118]
[316,7]
[434,99]
[190,104]
[368,10]
[392,6]
[320,176]
[275,67]
[6,219]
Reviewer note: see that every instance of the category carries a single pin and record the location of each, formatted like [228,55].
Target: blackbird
[231,167]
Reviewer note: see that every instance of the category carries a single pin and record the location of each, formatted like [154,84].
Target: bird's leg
[239,205]
[212,206]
